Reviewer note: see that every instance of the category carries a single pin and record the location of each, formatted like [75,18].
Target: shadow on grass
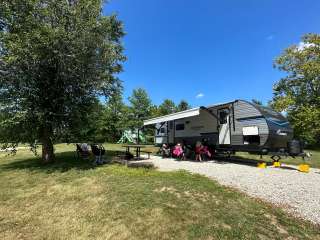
[64,162]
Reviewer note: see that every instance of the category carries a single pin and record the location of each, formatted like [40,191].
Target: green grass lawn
[72,200]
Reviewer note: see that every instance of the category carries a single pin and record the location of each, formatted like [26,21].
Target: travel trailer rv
[232,126]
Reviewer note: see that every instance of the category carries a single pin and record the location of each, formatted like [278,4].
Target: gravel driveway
[298,193]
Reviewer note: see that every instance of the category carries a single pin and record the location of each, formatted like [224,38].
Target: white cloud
[200,95]
[270,37]
[303,45]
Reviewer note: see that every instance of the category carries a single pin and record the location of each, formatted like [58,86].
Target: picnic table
[137,150]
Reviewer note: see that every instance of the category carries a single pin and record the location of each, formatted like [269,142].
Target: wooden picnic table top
[134,145]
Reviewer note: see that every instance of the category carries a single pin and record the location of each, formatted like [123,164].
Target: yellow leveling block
[276,164]
[304,168]
[262,165]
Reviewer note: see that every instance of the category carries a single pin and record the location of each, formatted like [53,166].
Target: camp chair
[81,153]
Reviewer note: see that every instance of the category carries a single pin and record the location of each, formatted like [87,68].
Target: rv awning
[173,116]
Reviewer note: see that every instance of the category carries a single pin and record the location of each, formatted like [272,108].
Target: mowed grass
[72,200]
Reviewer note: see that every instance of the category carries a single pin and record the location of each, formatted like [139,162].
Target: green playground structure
[131,136]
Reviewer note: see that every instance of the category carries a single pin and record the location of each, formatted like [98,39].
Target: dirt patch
[274,222]
[171,190]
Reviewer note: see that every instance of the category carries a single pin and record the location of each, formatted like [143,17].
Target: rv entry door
[224,126]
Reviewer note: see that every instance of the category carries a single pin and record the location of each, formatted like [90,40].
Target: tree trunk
[47,146]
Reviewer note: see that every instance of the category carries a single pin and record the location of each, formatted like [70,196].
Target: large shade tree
[298,93]
[56,59]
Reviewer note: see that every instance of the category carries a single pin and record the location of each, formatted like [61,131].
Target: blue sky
[209,51]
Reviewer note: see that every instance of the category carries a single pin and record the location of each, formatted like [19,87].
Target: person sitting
[98,152]
[199,151]
[84,147]
[165,151]
[206,151]
[188,150]
[185,151]
[178,151]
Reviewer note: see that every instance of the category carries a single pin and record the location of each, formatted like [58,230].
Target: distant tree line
[112,118]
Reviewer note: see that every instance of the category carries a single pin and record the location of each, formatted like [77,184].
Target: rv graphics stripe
[269,119]
[277,122]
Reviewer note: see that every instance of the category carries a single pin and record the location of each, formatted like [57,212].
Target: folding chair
[80,153]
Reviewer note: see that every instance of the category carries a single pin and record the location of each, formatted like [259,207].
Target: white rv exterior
[184,128]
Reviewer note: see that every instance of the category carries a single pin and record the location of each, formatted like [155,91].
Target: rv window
[171,125]
[223,117]
[162,130]
[180,127]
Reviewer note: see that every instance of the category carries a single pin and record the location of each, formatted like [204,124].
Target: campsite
[159,119]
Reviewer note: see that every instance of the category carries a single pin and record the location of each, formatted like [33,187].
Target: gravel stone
[296,192]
